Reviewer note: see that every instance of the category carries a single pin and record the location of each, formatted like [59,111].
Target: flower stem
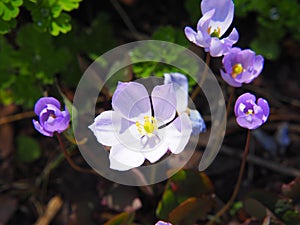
[203,78]
[68,158]
[230,100]
[238,184]
[16,117]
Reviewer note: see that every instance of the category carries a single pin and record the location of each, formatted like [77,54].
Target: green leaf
[10,9]
[191,210]
[180,187]
[166,204]
[28,150]
[266,198]
[50,15]
[124,218]
[69,5]
[255,208]
[60,24]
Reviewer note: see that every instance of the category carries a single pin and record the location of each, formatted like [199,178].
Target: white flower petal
[180,84]
[123,159]
[108,126]
[178,133]
[157,151]
[164,102]
[132,100]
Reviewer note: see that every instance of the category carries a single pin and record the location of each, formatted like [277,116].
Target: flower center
[215,33]
[149,126]
[250,112]
[52,115]
[236,70]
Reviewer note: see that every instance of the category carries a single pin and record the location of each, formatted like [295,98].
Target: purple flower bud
[241,66]
[250,114]
[51,118]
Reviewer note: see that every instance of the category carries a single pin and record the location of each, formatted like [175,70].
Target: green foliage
[88,40]
[282,207]
[285,210]
[235,208]
[275,18]
[9,10]
[28,150]
[33,64]
[170,34]
[193,8]
[162,54]
[39,57]
[124,218]
[186,198]
[49,15]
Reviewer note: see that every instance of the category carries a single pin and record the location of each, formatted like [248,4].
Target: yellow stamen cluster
[250,112]
[149,126]
[215,33]
[236,70]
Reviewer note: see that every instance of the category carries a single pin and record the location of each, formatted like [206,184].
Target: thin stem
[16,117]
[203,78]
[68,158]
[238,184]
[126,19]
[230,100]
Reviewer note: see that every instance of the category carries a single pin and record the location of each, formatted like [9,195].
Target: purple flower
[180,84]
[241,66]
[162,223]
[134,133]
[249,114]
[51,119]
[216,19]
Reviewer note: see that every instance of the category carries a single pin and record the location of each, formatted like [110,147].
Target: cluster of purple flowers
[169,126]
[239,66]
[141,127]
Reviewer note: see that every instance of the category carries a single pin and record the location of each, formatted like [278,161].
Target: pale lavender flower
[134,133]
[250,114]
[162,223]
[241,66]
[216,19]
[180,84]
[51,118]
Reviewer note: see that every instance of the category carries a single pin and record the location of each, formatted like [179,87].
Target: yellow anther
[150,125]
[250,112]
[236,70]
[215,33]
[139,127]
